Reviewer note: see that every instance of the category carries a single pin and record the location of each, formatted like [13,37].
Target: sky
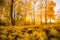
[57,4]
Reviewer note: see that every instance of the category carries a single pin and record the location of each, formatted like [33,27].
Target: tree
[12,20]
[29,10]
[34,2]
[41,7]
[45,12]
[50,10]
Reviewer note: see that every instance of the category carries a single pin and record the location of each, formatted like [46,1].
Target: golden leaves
[33,1]
[50,10]
[28,5]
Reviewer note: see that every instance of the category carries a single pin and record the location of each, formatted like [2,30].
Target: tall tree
[50,10]
[41,9]
[45,12]
[34,2]
[12,20]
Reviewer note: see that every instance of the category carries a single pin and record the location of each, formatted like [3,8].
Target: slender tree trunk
[45,13]
[41,12]
[25,14]
[41,18]
[34,15]
[12,20]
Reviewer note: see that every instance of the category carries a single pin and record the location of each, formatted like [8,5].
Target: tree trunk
[45,13]
[41,17]
[12,20]
[34,15]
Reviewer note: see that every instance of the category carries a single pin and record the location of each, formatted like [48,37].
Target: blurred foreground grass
[30,32]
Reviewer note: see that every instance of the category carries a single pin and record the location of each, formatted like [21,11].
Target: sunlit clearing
[50,20]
